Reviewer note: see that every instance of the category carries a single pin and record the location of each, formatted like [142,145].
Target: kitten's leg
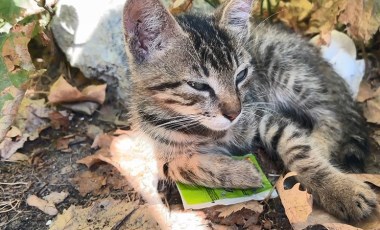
[338,193]
[212,170]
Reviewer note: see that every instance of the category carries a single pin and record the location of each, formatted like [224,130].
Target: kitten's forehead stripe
[213,45]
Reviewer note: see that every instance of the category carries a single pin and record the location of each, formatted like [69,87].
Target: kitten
[205,87]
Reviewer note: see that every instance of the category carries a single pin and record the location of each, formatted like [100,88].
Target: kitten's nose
[231,115]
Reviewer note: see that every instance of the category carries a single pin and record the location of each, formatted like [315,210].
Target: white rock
[341,54]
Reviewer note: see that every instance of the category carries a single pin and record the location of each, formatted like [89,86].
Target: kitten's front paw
[348,198]
[242,174]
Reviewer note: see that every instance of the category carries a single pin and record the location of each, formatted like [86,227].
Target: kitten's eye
[199,86]
[241,76]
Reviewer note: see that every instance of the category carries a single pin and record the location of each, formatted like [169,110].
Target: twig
[15,183]
[120,223]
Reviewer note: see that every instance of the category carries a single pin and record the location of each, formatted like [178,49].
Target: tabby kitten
[206,87]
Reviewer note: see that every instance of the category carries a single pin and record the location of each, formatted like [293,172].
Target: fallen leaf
[86,107]
[294,11]
[250,205]
[362,18]
[376,136]
[371,178]
[366,92]
[102,141]
[57,120]
[87,182]
[297,204]
[94,158]
[42,205]
[62,143]
[62,92]
[93,131]
[15,49]
[180,6]
[372,110]
[18,157]
[103,214]
[56,197]
[8,146]
[13,132]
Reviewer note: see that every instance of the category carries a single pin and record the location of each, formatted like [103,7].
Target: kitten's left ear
[235,16]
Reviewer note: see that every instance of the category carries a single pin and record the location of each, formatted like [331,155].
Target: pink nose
[232,115]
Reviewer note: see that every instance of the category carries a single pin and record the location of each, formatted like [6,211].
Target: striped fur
[208,87]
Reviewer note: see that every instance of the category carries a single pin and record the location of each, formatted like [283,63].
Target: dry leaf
[89,182]
[372,110]
[366,92]
[371,178]
[362,18]
[86,107]
[8,146]
[94,158]
[62,143]
[15,49]
[102,141]
[298,204]
[250,205]
[103,214]
[13,132]
[180,6]
[18,157]
[93,131]
[61,91]
[376,136]
[324,18]
[56,197]
[42,205]
[294,11]
[57,120]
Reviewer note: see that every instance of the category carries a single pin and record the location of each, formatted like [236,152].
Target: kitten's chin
[217,124]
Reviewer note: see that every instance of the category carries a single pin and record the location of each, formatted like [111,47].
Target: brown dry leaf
[42,205]
[86,107]
[371,178]
[103,214]
[294,11]
[15,49]
[324,18]
[89,182]
[376,136]
[31,117]
[372,110]
[366,92]
[62,143]
[57,120]
[94,158]
[8,146]
[30,120]
[362,18]
[298,204]
[62,92]
[102,141]
[250,205]
[13,132]
[180,6]
[16,157]
[93,131]
[56,197]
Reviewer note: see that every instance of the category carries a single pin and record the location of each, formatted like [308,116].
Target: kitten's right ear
[149,29]
[234,15]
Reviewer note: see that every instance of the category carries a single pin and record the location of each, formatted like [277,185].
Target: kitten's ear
[235,15]
[149,29]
